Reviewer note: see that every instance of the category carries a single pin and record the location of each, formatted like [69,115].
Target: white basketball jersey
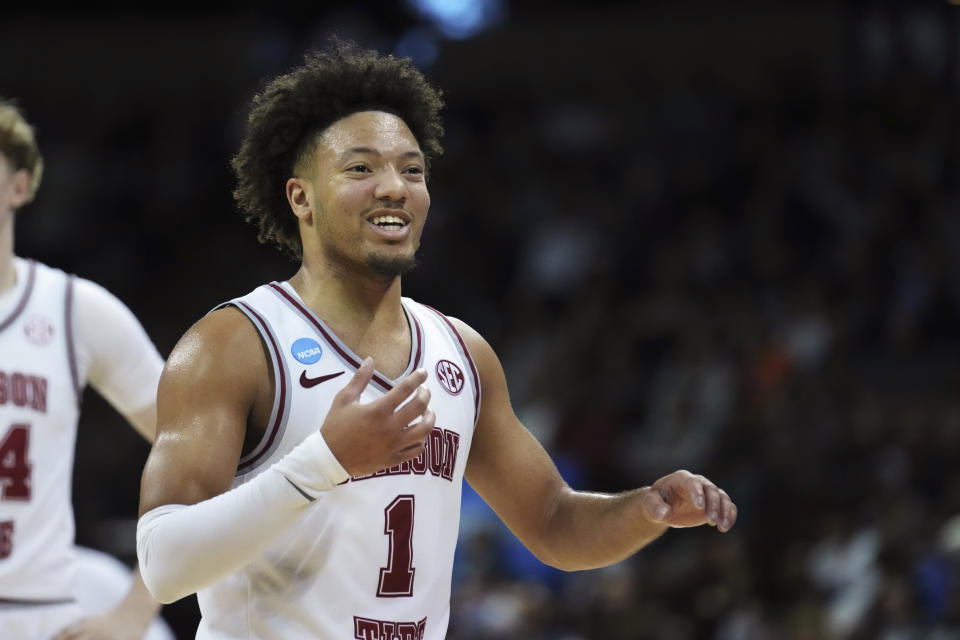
[373,558]
[39,408]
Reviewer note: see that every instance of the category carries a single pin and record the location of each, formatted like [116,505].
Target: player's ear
[299,196]
[20,189]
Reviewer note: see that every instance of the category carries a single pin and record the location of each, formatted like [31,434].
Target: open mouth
[389,222]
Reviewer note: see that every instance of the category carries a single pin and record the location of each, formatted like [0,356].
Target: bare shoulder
[495,402]
[480,350]
[223,340]
[222,348]
[209,386]
[217,367]
[463,328]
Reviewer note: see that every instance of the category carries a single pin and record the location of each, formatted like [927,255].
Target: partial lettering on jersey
[370,629]
[23,390]
[438,458]
[6,539]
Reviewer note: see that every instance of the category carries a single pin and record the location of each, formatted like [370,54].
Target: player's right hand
[368,437]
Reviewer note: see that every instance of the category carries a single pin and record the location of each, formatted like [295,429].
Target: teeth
[384,220]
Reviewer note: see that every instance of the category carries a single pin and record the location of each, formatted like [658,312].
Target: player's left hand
[682,499]
[116,624]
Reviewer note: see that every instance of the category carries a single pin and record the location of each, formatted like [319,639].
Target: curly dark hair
[293,109]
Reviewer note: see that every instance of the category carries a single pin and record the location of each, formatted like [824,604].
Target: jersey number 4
[14,468]
[14,477]
[396,579]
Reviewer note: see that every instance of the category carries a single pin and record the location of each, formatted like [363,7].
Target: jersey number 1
[396,579]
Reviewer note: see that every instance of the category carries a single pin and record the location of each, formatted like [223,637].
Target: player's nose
[391,186]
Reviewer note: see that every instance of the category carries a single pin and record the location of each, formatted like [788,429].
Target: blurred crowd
[766,292]
[760,285]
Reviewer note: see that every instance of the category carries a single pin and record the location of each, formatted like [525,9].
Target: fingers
[414,408]
[415,438]
[655,506]
[711,506]
[391,429]
[719,510]
[727,512]
[416,434]
[692,500]
[352,391]
[389,402]
[697,495]
[424,427]
[395,397]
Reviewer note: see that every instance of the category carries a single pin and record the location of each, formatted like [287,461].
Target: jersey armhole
[280,411]
[465,354]
[70,341]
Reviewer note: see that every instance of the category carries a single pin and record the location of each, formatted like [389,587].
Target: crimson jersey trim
[466,356]
[71,345]
[22,303]
[345,354]
[266,443]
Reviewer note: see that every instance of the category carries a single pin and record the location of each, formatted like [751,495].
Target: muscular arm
[188,536]
[194,529]
[206,393]
[569,529]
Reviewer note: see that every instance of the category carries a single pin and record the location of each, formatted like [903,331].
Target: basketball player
[313,434]
[57,333]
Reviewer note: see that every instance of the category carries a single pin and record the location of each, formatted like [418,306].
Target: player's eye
[359,168]
[417,171]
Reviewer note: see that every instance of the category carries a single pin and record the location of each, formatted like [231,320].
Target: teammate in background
[57,333]
[313,434]
[103,582]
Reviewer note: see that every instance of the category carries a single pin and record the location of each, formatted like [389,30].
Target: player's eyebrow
[369,150]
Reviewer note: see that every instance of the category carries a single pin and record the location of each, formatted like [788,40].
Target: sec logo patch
[39,330]
[450,377]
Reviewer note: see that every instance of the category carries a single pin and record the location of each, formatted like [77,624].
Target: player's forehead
[379,131]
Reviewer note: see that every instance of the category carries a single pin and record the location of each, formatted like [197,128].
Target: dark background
[714,236]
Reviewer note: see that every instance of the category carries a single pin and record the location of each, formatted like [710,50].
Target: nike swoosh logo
[306,382]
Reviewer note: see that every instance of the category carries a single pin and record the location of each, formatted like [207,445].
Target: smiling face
[361,195]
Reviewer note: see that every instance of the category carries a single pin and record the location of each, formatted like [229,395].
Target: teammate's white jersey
[102,584]
[373,557]
[56,331]
[39,408]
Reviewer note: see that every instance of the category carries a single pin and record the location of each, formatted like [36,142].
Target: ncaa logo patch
[450,377]
[306,350]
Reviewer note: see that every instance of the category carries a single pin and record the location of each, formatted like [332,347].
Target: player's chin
[392,265]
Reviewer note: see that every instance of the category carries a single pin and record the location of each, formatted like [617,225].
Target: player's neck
[8,272]
[366,315]
[351,300]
